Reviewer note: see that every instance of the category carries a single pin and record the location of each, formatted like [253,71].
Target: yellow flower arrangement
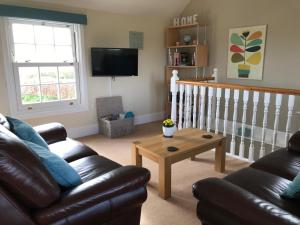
[168,123]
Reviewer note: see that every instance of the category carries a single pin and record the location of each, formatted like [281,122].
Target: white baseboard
[77,132]
[148,118]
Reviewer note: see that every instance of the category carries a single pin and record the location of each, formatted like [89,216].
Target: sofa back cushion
[23,175]
[4,122]
[294,142]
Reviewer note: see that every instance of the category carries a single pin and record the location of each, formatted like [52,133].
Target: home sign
[185,20]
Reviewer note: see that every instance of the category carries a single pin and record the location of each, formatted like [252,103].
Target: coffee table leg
[164,183]
[136,157]
[220,156]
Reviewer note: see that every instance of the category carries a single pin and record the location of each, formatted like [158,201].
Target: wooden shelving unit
[197,47]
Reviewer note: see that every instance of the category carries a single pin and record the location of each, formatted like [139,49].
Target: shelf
[183,67]
[187,26]
[183,46]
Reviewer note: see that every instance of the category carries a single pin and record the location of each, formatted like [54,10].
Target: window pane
[29,75]
[23,33]
[43,35]
[67,91]
[48,75]
[64,53]
[45,53]
[24,52]
[49,93]
[30,94]
[62,36]
[66,74]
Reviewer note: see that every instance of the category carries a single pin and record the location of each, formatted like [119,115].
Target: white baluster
[276,122]
[174,90]
[181,92]
[251,147]
[262,151]
[227,97]
[291,104]
[209,110]
[234,119]
[195,106]
[188,105]
[244,118]
[202,107]
[218,96]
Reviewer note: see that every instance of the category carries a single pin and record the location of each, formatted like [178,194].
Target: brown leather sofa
[110,194]
[251,196]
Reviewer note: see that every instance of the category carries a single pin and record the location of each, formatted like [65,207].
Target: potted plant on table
[168,128]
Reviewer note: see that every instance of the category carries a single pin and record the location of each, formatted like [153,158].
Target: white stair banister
[245,107]
[174,91]
[276,121]
[215,74]
[234,119]
[227,97]
[188,106]
[195,106]
[255,103]
[291,104]
[181,92]
[262,151]
[209,110]
[202,107]
[218,96]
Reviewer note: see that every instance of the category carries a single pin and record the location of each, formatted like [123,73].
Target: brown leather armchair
[110,194]
[251,196]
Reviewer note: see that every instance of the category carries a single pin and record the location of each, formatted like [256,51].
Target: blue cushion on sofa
[60,170]
[293,190]
[25,132]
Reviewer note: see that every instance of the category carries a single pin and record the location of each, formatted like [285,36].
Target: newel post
[174,91]
[215,74]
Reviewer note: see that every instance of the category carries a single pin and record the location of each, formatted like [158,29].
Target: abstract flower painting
[246,52]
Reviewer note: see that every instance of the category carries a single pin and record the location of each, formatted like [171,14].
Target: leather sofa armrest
[294,142]
[221,199]
[52,132]
[96,191]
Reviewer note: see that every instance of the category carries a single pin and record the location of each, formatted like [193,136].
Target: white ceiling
[135,7]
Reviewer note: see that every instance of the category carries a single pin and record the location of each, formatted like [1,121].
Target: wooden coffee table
[189,142]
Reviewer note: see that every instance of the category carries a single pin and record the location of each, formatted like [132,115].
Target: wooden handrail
[284,91]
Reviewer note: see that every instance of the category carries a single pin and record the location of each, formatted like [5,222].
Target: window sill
[49,112]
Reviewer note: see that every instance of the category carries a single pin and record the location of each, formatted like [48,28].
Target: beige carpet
[181,208]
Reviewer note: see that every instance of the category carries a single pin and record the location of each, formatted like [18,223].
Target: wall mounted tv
[114,62]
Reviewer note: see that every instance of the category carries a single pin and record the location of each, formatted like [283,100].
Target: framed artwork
[246,51]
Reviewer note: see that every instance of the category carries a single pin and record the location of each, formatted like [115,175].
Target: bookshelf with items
[187,52]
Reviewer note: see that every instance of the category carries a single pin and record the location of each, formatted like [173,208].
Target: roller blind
[42,14]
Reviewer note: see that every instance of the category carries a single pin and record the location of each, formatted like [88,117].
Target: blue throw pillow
[293,190]
[25,132]
[60,170]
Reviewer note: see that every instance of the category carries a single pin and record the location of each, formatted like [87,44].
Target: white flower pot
[169,131]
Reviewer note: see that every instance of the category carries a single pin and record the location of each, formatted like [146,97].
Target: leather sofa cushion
[282,163]
[294,142]
[93,166]
[52,132]
[23,175]
[266,186]
[4,122]
[71,150]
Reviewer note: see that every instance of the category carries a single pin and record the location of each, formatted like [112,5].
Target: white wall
[143,94]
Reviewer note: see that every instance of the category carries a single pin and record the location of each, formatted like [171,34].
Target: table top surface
[185,140]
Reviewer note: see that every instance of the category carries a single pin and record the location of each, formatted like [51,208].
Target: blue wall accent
[41,14]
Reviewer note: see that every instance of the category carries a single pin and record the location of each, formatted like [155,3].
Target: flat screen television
[114,61]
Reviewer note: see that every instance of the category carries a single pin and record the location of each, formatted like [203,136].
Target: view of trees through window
[44,58]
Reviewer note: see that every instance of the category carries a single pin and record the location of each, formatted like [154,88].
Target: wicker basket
[113,128]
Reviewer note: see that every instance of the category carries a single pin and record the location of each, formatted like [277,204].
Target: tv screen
[114,62]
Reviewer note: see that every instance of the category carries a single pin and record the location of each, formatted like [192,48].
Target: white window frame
[12,79]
